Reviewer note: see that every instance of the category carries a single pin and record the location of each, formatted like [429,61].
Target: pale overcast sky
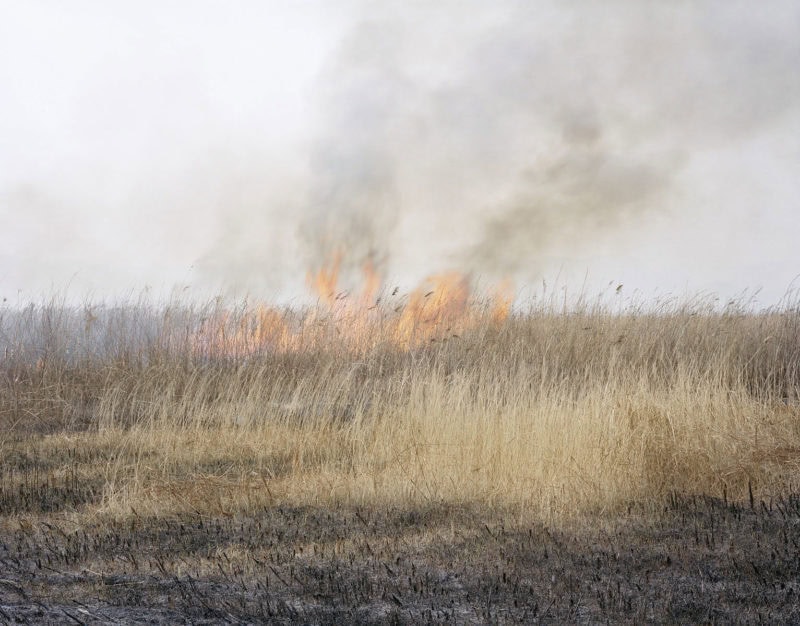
[232,146]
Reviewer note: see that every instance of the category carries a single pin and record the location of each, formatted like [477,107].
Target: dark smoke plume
[503,133]
[158,145]
[354,200]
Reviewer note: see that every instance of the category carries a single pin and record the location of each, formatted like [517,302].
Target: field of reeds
[434,406]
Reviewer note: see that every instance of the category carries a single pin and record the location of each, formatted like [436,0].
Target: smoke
[354,200]
[503,134]
[238,149]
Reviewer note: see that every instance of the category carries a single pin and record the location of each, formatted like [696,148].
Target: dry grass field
[389,458]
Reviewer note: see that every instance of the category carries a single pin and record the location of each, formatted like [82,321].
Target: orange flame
[325,280]
[440,309]
[501,300]
[227,335]
[434,309]
[372,284]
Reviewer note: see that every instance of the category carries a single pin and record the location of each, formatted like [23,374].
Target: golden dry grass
[551,413]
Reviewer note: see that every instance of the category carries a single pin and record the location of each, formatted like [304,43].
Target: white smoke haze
[234,147]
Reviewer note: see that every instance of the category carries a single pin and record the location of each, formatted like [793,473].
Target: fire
[501,300]
[439,309]
[249,332]
[372,284]
[324,281]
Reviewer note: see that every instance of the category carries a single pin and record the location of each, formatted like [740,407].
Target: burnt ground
[700,560]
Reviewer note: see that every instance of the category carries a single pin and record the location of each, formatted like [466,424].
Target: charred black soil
[700,560]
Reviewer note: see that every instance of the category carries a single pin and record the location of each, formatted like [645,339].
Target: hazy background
[233,146]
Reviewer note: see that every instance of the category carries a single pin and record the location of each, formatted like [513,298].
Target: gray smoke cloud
[237,149]
[354,200]
[513,131]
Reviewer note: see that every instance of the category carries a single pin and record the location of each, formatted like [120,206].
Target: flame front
[324,281]
[439,309]
[251,331]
